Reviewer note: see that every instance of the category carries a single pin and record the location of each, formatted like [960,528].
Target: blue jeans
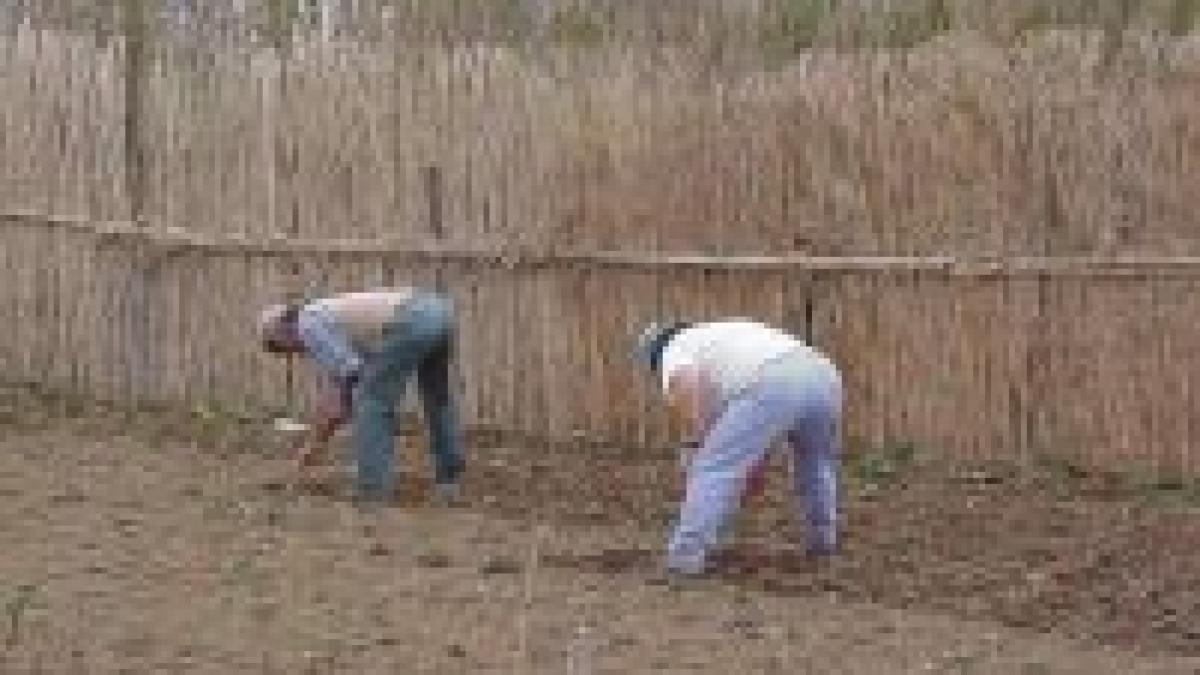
[420,339]
[797,397]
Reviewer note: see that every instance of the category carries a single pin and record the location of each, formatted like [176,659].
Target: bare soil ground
[158,544]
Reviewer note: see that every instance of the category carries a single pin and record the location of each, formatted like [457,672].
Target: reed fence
[993,240]
[1088,359]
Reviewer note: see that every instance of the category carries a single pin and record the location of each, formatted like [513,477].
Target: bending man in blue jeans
[739,385]
[366,345]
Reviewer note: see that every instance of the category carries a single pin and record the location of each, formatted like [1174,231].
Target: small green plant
[1065,477]
[1037,18]
[1062,475]
[578,26]
[875,469]
[796,25]
[422,542]
[219,426]
[280,21]
[240,575]
[941,18]
[1182,17]
[1035,668]
[908,27]
[15,608]
[206,413]
[1169,490]
[509,19]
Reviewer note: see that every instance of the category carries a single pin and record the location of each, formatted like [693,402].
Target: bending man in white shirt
[739,385]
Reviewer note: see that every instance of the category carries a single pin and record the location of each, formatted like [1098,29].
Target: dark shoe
[676,578]
[804,559]
[821,551]
[678,581]
[448,494]
[371,501]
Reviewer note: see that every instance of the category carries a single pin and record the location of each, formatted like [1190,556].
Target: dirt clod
[500,565]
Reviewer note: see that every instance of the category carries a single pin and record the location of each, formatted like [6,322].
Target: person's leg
[816,461]
[739,438]
[373,436]
[406,343]
[441,413]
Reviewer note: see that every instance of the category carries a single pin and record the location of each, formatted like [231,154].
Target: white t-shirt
[730,353]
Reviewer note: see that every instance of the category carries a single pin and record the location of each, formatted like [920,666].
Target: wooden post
[432,175]
[809,312]
[136,294]
[1114,22]
[1039,420]
[134,22]
[433,195]
[287,160]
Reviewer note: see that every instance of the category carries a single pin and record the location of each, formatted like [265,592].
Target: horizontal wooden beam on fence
[174,241]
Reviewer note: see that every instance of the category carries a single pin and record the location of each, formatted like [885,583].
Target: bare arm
[333,408]
[331,411]
[327,344]
[690,398]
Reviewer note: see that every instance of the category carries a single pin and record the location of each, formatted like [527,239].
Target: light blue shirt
[327,343]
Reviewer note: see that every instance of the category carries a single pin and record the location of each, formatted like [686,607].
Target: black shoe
[676,579]
[448,494]
[371,501]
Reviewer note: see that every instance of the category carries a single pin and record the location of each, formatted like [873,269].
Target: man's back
[730,352]
[363,314]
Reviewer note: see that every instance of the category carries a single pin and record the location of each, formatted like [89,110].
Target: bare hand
[331,407]
[756,481]
[306,458]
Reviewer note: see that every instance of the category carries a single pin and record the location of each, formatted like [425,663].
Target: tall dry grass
[768,26]
[956,147]
[959,145]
